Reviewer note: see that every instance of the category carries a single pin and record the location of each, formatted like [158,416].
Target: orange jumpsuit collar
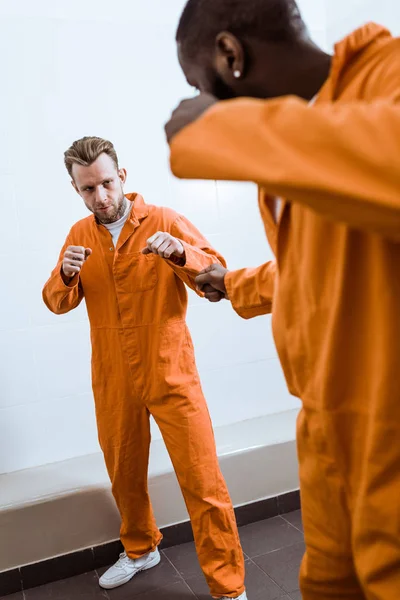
[345,51]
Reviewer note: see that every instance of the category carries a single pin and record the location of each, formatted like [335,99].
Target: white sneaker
[241,597]
[126,568]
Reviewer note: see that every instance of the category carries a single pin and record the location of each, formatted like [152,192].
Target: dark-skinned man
[335,314]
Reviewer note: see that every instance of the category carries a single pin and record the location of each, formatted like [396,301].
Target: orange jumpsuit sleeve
[341,160]
[58,296]
[198,252]
[251,291]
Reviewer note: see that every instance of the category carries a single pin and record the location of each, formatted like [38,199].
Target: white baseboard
[64,507]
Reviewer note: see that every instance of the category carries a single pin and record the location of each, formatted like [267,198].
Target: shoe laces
[123,560]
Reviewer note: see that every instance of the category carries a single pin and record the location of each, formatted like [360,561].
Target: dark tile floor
[273,550]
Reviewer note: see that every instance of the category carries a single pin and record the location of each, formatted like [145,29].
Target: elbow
[56,309]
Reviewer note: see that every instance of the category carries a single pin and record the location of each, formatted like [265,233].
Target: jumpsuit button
[111,249]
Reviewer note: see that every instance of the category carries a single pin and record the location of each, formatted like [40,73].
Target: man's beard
[116,214]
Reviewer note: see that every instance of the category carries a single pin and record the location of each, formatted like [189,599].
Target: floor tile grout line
[272,579]
[269,519]
[181,576]
[269,577]
[106,596]
[279,586]
[291,524]
[193,592]
[297,529]
[273,551]
[171,563]
[190,589]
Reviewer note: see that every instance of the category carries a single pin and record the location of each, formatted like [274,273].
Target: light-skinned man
[130,262]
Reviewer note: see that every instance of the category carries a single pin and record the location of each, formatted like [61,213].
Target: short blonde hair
[87,150]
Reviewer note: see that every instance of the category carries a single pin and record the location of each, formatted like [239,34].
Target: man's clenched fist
[73,261]
[187,112]
[211,281]
[165,245]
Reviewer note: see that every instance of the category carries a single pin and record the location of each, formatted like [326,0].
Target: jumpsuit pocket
[136,272]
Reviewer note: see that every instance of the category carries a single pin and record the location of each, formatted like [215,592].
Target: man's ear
[230,57]
[122,174]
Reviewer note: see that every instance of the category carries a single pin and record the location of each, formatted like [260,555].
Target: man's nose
[101,195]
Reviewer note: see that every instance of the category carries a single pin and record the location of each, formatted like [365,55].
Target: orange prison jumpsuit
[336,314]
[143,363]
[251,290]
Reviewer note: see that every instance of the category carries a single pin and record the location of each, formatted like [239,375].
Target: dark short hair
[87,150]
[203,20]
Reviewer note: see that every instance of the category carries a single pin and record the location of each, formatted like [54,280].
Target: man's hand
[187,112]
[211,294]
[211,281]
[74,258]
[164,245]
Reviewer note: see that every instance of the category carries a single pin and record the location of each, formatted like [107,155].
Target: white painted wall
[91,67]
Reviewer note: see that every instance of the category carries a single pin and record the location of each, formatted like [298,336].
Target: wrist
[67,279]
[224,284]
[178,259]
[179,256]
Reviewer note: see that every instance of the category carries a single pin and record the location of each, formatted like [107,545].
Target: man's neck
[311,71]
[301,69]
[122,211]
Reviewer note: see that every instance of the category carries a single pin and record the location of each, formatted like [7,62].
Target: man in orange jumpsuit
[130,262]
[337,292]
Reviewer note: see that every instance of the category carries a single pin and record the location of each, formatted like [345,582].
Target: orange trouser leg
[124,434]
[376,499]
[377,544]
[328,571]
[185,424]
[350,482]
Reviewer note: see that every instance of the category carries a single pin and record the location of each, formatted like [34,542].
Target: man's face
[211,71]
[204,77]
[101,188]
